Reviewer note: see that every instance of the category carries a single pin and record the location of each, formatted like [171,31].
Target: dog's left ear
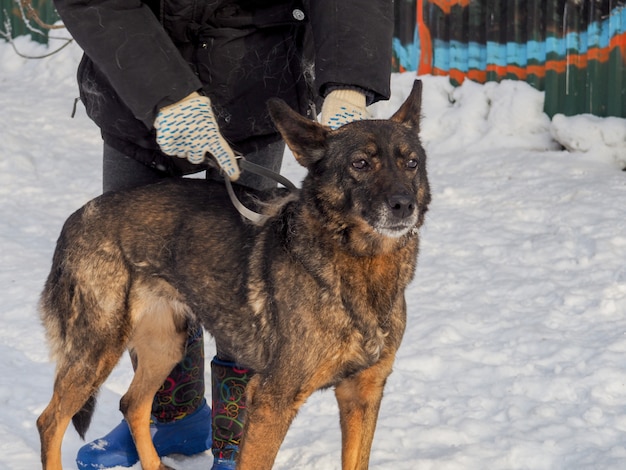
[305,138]
[409,112]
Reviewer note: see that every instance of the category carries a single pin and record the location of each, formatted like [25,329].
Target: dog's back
[165,231]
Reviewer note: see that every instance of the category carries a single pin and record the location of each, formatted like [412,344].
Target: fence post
[616,67]
[535,44]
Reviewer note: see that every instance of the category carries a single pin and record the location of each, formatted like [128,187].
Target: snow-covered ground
[515,352]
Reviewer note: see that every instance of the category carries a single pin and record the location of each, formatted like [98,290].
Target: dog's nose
[401,205]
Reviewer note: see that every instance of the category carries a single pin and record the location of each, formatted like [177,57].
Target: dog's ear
[409,112]
[305,138]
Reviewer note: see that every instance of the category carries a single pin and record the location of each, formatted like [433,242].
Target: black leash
[245,165]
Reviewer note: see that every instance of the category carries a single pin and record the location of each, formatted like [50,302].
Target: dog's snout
[402,205]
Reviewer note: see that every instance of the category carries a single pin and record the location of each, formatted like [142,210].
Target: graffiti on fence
[573,49]
[446,5]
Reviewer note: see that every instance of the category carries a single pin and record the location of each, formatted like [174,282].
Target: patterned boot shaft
[182,393]
[229,407]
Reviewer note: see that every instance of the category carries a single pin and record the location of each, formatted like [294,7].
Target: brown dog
[313,298]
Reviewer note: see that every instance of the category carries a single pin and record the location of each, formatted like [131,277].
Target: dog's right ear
[305,138]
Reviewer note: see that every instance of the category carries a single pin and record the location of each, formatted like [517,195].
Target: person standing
[177,84]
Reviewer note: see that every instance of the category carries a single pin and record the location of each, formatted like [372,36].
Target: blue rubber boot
[188,436]
[223,464]
[181,418]
[229,411]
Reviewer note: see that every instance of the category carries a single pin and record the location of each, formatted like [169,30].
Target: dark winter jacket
[141,55]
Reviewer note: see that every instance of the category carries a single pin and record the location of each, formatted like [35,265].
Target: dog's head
[369,175]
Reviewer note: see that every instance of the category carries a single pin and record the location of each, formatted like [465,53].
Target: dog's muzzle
[397,216]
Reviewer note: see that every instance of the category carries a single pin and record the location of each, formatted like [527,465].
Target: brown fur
[313,298]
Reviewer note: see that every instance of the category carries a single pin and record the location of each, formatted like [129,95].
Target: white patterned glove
[343,106]
[188,129]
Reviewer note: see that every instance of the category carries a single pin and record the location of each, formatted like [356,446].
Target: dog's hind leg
[75,386]
[157,342]
[359,398]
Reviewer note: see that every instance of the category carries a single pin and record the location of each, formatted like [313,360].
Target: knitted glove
[343,106]
[188,129]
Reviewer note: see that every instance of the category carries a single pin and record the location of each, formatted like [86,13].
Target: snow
[514,352]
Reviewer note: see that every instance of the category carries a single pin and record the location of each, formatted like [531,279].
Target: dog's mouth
[390,226]
[391,219]
[395,230]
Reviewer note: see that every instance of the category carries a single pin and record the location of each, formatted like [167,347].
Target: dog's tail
[67,350]
[82,419]
[83,309]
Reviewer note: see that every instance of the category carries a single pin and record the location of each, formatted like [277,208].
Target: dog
[312,298]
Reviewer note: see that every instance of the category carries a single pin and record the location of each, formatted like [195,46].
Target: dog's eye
[360,164]
[412,164]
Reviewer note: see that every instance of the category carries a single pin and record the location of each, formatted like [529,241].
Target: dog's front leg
[267,421]
[359,398]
